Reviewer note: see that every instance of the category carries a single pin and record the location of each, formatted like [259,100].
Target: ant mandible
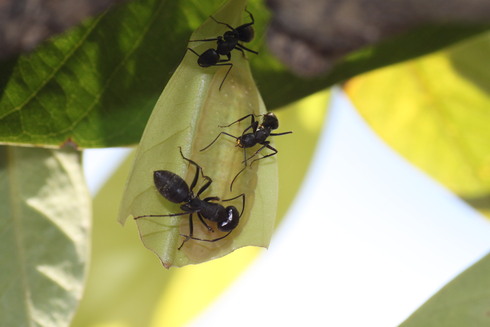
[259,135]
[175,189]
[225,44]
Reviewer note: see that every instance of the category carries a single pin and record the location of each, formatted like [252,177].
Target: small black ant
[175,189]
[230,39]
[225,44]
[210,58]
[259,135]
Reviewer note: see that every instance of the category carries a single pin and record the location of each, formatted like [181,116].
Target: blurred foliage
[96,84]
[435,112]
[45,228]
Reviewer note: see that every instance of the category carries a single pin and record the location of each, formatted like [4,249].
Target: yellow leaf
[435,113]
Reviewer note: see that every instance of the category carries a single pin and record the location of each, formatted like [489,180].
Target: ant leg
[231,28]
[228,64]
[201,218]
[251,17]
[269,155]
[244,156]
[277,134]
[245,160]
[211,198]
[254,125]
[188,237]
[218,22]
[205,186]
[236,176]
[191,232]
[266,144]
[194,52]
[217,139]
[169,215]
[205,40]
[241,47]
[196,176]
[243,201]
[239,120]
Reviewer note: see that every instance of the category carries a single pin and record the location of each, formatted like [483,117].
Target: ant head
[231,220]
[270,121]
[245,33]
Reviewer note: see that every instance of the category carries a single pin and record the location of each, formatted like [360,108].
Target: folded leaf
[187,115]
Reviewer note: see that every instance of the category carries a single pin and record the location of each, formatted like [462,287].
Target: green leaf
[465,301]
[434,111]
[187,115]
[96,84]
[45,221]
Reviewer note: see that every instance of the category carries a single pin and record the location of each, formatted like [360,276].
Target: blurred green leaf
[45,221]
[124,282]
[187,115]
[435,115]
[96,84]
[465,301]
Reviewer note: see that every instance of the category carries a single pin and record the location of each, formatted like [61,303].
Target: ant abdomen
[208,58]
[171,186]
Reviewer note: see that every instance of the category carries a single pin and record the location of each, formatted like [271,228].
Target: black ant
[210,58]
[225,44]
[230,39]
[176,190]
[259,135]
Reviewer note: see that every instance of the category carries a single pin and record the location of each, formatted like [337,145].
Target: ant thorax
[262,134]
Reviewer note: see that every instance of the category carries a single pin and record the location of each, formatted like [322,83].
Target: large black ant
[175,189]
[259,135]
[225,44]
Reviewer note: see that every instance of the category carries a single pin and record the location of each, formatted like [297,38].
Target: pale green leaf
[187,115]
[44,227]
[435,112]
[465,301]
